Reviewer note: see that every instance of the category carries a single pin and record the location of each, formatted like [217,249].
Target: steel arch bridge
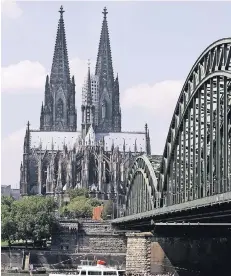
[196,162]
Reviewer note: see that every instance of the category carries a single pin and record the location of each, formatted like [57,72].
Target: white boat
[92,268]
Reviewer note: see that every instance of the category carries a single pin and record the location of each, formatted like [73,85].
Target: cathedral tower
[58,112]
[88,109]
[109,114]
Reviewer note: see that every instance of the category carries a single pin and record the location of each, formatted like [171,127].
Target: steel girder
[197,156]
[196,162]
[142,191]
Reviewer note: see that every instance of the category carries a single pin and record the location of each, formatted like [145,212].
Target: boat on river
[92,268]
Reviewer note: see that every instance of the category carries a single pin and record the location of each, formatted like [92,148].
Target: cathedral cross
[61,10]
[105,12]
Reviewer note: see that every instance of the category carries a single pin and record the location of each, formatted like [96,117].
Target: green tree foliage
[94,202]
[108,210]
[73,193]
[31,218]
[7,201]
[8,223]
[80,207]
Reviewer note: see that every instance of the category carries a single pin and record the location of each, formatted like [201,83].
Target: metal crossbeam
[195,170]
[190,224]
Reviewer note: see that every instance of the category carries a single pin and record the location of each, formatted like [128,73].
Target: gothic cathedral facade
[97,157]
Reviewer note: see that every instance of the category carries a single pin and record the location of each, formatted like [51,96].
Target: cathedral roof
[59,139]
[128,141]
[122,140]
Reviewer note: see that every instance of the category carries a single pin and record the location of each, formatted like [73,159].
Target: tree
[35,217]
[73,193]
[80,207]
[94,202]
[7,201]
[108,210]
[8,222]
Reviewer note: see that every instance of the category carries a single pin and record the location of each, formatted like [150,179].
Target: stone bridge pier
[184,250]
[138,256]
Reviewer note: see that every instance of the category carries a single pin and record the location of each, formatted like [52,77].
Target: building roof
[5,186]
[58,138]
[129,139]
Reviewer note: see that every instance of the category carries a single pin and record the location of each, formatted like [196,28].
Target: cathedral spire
[88,109]
[59,112]
[60,71]
[116,106]
[148,143]
[104,59]
[89,96]
[27,139]
[105,75]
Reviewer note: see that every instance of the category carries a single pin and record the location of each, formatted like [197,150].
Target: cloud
[23,75]
[156,98]
[12,150]
[11,9]
[153,104]
[29,76]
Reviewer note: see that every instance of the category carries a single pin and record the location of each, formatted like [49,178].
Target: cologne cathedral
[97,156]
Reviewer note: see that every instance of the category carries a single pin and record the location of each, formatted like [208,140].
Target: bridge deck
[198,203]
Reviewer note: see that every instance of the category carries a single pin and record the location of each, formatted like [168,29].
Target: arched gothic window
[59,109]
[104,109]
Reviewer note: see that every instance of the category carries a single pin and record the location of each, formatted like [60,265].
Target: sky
[154,45]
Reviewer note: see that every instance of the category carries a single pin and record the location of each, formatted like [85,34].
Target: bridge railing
[172,198]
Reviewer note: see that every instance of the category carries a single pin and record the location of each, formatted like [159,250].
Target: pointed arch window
[104,109]
[59,109]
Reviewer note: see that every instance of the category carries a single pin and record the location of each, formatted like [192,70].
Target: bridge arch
[196,161]
[142,187]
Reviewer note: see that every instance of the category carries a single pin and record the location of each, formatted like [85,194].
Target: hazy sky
[154,45]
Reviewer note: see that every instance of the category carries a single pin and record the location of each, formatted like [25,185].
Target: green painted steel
[196,162]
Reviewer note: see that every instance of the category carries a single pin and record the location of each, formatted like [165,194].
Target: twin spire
[60,66]
[104,57]
[58,112]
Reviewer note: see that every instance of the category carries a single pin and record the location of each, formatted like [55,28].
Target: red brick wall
[97,211]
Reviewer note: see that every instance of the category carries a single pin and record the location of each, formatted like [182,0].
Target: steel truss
[142,192]
[196,162]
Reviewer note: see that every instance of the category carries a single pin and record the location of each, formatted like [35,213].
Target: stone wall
[88,237]
[73,241]
[102,243]
[138,257]
[11,259]
[92,227]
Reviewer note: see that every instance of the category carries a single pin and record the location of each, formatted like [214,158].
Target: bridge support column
[138,256]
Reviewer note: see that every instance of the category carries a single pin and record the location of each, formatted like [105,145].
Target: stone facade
[11,259]
[138,257]
[98,156]
[88,237]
